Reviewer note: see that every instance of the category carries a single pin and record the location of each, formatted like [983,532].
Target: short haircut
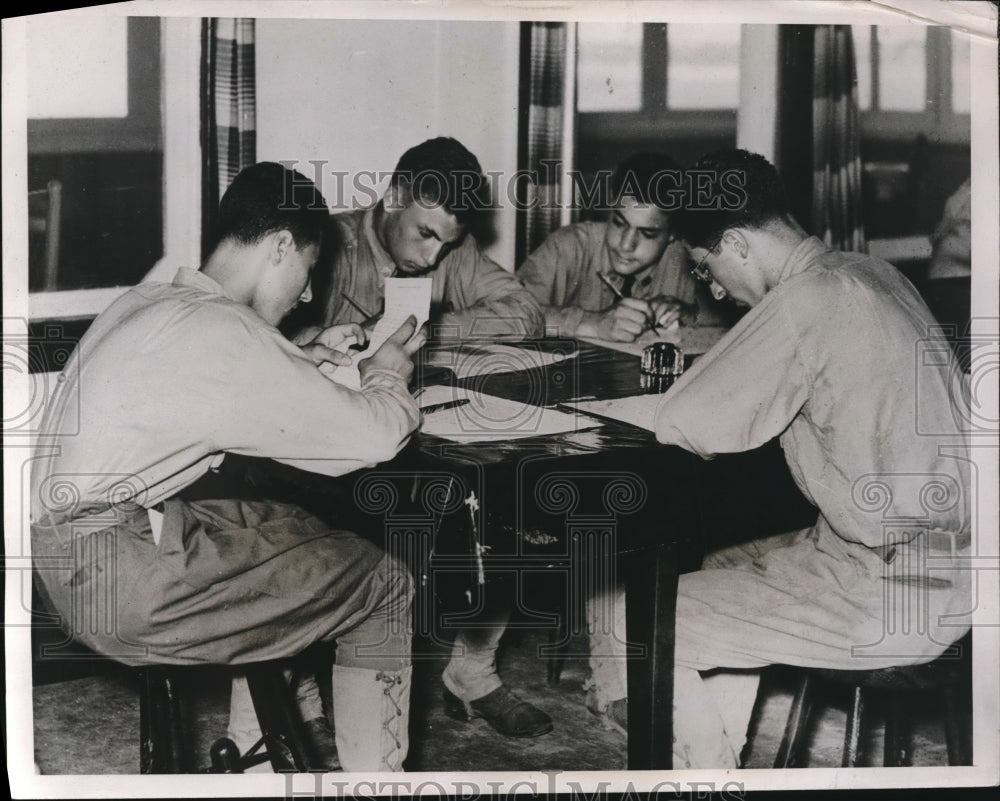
[443,172]
[729,189]
[269,197]
[651,178]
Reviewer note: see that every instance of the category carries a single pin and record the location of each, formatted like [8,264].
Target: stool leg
[557,649]
[852,733]
[897,745]
[278,719]
[956,727]
[795,727]
[161,748]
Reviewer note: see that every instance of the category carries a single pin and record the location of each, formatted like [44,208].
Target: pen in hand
[437,407]
[620,296]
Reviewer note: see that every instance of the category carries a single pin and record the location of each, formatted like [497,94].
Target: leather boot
[371,715]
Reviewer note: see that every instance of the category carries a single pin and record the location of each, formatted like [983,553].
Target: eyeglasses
[700,271]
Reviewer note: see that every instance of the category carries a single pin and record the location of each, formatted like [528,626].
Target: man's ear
[281,245]
[736,240]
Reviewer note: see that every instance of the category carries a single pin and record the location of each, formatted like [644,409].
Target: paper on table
[403,297]
[486,359]
[486,418]
[637,410]
[693,341]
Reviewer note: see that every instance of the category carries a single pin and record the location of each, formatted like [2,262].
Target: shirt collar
[198,280]
[383,261]
[801,257]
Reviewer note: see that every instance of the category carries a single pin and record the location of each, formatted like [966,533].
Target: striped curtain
[543,76]
[836,203]
[228,111]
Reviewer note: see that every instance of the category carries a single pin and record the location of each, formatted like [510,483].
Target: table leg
[650,605]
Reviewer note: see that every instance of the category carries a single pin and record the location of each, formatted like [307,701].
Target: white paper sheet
[403,297]
[486,418]
[486,359]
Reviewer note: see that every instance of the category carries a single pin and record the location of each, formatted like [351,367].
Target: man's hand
[667,310]
[397,351]
[621,323]
[326,346]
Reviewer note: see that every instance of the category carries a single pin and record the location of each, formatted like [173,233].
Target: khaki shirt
[840,362]
[562,274]
[471,295]
[172,376]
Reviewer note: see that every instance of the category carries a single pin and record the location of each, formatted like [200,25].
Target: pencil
[437,407]
[358,306]
[620,296]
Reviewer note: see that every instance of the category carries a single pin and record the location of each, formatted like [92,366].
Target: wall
[357,93]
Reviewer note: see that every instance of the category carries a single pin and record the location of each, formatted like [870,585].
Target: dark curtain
[228,112]
[542,79]
[836,206]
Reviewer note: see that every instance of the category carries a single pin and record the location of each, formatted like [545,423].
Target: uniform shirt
[562,275]
[468,289]
[171,376]
[836,361]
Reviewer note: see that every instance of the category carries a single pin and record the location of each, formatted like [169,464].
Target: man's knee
[398,582]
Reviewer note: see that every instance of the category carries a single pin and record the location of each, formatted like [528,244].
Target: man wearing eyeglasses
[614,280]
[830,358]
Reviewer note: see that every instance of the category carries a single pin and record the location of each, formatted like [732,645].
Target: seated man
[420,226]
[614,279]
[824,360]
[575,275]
[165,382]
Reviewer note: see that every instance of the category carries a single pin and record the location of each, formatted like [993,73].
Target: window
[913,79]
[95,136]
[655,77]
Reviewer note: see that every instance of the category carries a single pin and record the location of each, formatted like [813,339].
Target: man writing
[826,360]
[169,379]
[418,228]
[614,279]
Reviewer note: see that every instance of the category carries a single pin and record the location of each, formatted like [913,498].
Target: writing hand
[621,323]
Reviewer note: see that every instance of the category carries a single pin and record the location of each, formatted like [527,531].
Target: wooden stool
[161,736]
[950,675]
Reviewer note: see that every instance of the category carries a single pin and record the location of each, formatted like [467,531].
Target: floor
[89,725]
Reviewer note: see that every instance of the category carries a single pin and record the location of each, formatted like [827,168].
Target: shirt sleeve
[552,275]
[486,300]
[284,408]
[743,392]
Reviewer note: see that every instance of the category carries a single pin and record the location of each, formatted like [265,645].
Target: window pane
[902,67]
[703,66]
[961,92]
[863,62]
[609,67]
[77,67]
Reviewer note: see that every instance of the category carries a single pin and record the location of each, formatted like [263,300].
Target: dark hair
[269,197]
[729,189]
[651,178]
[443,172]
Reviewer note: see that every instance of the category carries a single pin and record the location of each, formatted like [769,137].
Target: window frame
[179,91]
[140,129]
[655,117]
[938,121]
